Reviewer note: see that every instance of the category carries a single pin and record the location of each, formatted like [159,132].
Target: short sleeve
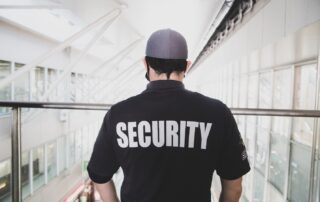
[233,161]
[103,162]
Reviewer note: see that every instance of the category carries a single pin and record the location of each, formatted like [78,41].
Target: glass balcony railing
[282,146]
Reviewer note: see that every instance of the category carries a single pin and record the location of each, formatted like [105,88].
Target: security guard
[168,140]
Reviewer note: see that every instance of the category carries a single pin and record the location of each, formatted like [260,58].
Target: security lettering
[162,134]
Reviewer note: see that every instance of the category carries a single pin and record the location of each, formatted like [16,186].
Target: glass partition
[21,85]
[52,160]
[5,180]
[38,167]
[5,92]
[25,174]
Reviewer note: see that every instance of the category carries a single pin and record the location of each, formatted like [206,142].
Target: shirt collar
[159,85]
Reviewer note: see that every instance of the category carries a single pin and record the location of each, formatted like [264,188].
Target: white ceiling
[138,19]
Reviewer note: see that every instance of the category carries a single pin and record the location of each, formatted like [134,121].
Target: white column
[45,79]
[57,157]
[12,83]
[30,84]
[45,164]
[67,151]
[31,171]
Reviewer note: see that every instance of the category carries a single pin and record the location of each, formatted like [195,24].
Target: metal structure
[16,127]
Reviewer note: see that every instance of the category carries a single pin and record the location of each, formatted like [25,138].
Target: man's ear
[145,63]
[189,63]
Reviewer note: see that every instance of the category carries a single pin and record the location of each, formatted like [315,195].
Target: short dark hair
[166,66]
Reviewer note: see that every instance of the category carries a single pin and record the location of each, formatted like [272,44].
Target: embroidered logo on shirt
[244,155]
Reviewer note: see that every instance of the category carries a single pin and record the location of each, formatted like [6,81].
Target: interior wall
[22,46]
[278,19]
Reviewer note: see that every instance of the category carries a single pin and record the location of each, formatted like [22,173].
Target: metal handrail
[16,127]
[101,106]
[56,105]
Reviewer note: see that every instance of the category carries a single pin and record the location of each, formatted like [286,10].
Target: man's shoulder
[187,97]
[199,97]
[129,102]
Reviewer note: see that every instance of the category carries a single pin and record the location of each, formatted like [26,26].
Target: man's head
[166,56]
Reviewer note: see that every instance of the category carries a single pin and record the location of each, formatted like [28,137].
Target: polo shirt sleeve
[103,162]
[233,162]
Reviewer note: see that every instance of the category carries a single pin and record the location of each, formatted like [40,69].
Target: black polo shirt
[168,141]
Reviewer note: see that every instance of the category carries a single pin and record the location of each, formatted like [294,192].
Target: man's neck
[173,76]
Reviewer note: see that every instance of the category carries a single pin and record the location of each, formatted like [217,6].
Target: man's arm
[107,191]
[231,190]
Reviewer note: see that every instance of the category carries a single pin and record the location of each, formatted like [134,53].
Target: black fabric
[168,141]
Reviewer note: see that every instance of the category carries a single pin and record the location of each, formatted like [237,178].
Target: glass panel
[241,122]
[52,161]
[38,167]
[73,87]
[265,90]
[303,130]
[62,153]
[305,96]
[236,85]
[279,148]
[78,142]
[5,92]
[85,141]
[258,184]
[248,186]
[253,91]
[300,162]
[25,174]
[282,93]
[21,85]
[262,143]
[305,87]
[5,181]
[37,82]
[273,194]
[72,149]
[52,76]
[243,91]
[249,138]
[280,136]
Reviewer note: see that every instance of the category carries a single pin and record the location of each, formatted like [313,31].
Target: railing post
[16,155]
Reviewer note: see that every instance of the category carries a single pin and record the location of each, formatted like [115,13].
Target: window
[250,136]
[253,84]
[236,86]
[305,98]
[21,85]
[280,135]
[282,91]
[305,87]
[38,167]
[62,153]
[243,91]
[52,160]
[279,148]
[25,174]
[5,92]
[52,76]
[299,173]
[37,79]
[78,144]
[262,143]
[72,149]
[5,180]
[258,184]
[265,90]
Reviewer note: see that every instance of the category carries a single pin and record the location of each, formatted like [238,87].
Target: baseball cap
[167,44]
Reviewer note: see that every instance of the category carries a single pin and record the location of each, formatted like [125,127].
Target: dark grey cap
[167,44]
